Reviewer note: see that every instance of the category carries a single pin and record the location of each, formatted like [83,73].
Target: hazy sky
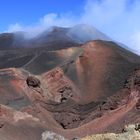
[119,19]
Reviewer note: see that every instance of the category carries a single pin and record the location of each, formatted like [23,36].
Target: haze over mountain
[77,34]
[72,81]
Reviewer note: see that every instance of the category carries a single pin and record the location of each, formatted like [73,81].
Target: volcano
[62,81]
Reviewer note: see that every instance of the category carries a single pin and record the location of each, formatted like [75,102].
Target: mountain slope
[82,33]
[54,38]
[55,83]
[102,69]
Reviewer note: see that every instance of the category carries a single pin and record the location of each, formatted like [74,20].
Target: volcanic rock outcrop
[33,82]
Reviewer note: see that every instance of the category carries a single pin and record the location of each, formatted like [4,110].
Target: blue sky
[119,19]
[27,12]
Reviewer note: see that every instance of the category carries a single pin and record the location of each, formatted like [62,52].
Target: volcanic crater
[74,91]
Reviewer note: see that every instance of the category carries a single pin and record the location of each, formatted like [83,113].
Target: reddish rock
[84,93]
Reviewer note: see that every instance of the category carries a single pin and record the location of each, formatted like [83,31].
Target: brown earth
[97,86]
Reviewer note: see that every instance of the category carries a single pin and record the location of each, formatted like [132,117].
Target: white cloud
[51,19]
[116,18]
[135,41]
[54,19]
[15,27]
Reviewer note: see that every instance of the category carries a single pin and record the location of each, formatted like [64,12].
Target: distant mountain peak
[83,33]
[77,34]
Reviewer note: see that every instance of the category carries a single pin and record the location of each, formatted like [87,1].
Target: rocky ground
[130,132]
[95,92]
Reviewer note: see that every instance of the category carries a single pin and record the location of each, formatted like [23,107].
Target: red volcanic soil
[96,90]
[101,69]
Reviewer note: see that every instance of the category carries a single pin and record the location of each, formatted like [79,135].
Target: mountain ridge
[66,87]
